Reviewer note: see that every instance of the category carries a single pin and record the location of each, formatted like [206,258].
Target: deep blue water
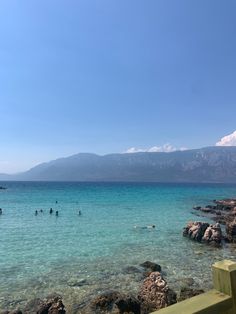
[44,253]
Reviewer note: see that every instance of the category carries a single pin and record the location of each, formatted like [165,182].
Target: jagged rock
[213,235]
[203,232]
[150,266]
[195,230]
[155,293]
[186,293]
[231,230]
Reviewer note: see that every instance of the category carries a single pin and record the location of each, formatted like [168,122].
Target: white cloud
[134,150]
[167,148]
[228,140]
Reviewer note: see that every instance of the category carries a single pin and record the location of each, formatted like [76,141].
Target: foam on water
[80,256]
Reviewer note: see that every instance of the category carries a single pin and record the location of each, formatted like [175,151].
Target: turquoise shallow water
[80,256]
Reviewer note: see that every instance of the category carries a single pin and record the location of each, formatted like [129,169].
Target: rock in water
[151,266]
[186,293]
[57,307]
[155,293]
[231,230]
[49,306]
[128,304]
[115,303]
[213,235]
[195,230]
[203,232]
[105,301]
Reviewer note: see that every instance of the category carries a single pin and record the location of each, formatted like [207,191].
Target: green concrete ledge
[211,302]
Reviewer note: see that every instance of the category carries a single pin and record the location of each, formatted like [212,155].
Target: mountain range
[210,164]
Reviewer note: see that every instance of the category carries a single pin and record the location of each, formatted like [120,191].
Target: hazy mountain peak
[210,164]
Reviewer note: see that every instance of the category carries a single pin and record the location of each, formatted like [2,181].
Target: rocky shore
[154,293]
[223,212]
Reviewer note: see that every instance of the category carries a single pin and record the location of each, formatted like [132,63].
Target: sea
[80,256]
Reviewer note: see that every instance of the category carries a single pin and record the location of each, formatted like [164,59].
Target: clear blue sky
[106,75]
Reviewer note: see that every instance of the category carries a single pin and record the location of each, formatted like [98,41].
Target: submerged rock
[12,312]
[150,266]
[231,230]
[128,304]
[73,282]
[155,293]
[131,270]
[186,293]
[185,282]
[52,305]
[105,301]
[115,303]
[33,306]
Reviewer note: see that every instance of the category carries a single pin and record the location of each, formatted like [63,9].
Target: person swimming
[50,211]
[145,227]
[0,211]
[57,213]
[151,226]
[41,211]
[79,212]
[36,213]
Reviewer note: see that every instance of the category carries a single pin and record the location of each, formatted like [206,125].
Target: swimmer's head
[151,226]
